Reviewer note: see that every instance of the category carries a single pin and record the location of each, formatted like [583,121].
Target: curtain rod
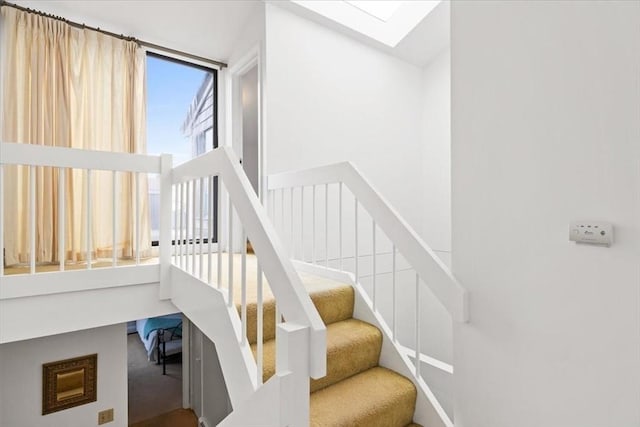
[118,36]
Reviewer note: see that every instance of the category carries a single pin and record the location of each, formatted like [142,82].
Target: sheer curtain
[69,87]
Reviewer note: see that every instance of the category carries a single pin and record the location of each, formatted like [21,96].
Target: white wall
[436,154]
[546,129]
[437,338]
[251,35]
[331,98]
[21,374]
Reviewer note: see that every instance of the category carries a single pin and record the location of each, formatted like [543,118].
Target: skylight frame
[379,9]
[408,15]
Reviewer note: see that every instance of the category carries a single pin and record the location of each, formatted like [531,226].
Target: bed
[161,336]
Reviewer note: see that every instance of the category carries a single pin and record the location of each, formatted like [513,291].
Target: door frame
[233,103]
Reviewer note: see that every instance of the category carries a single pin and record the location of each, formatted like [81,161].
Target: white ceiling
[204,28]
[210,28]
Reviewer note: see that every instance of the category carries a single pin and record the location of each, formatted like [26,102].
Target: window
[181,121]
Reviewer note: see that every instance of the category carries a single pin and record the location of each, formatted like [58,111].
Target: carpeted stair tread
[334,305]
[353,346]
[268,321]
[377,397]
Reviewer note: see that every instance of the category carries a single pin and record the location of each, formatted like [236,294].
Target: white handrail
[292,298]
[434,273]
[61,157]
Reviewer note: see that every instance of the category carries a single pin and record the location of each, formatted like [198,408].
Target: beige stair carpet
[377,397]
[352,347]
[356,392]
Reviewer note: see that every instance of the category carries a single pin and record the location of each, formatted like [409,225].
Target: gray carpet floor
[150,392]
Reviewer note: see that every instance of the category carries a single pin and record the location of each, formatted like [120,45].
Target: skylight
[383,10]
[387,22]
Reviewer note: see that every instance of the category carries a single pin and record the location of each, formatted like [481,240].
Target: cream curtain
[70,87]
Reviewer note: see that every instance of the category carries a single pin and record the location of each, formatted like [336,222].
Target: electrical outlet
[591,232]
[105,416]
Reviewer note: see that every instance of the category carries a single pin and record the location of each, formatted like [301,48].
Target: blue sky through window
[170,89]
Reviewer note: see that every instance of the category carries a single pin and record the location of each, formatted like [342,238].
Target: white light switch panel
[591,232]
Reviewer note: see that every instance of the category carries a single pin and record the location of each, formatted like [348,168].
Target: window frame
[215,115]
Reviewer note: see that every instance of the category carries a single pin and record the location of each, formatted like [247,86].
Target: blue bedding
[155,323]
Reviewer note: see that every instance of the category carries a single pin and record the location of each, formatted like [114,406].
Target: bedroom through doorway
[154,367]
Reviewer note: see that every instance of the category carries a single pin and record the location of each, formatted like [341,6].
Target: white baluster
[393,287]
[302,223]
[89,218]
[340,224]
[193,227]
[418,352]
[230,246]
[61,216]
[272,206]
[176,224]
[183,207]
[259,338]
[326,225]
[114,219]
[243,289]
[291,250]
[356,239]
[137,221]
[373,265]
[219,230]
[32,217]
[200,270]
[282,223]
[187,220]
[210,210]
[313,225]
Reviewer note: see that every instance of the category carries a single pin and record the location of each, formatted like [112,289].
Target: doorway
[154,368]
[249,129]
[244,119]
[244,124]
[208,391]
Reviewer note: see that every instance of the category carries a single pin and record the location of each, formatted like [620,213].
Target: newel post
[292,366]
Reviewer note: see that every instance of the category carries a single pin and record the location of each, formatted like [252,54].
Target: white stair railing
[308,208]
[64,163]
[217,178]
[429,268]
[186,259]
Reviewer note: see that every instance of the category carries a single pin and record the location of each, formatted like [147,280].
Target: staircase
[356,391]
[317,334]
